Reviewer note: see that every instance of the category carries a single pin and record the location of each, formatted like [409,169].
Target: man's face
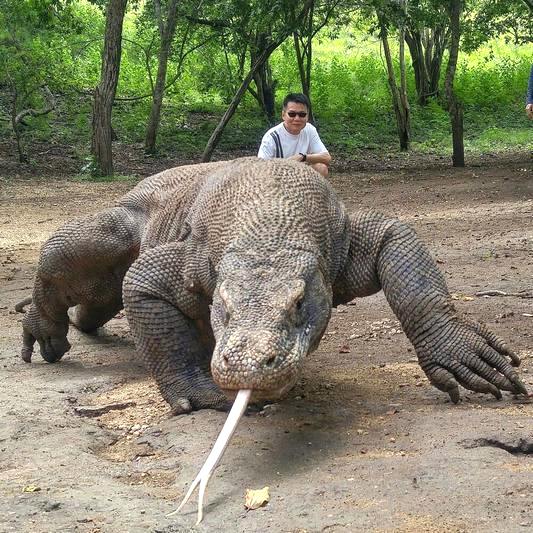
[294,117]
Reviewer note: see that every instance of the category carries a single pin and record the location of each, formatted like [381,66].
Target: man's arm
[318,153]
[322,157]
[311,159]
[267,150]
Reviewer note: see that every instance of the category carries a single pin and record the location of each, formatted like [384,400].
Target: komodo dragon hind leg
[171,328]
[81,266]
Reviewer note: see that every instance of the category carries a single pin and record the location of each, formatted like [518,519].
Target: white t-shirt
[278,142]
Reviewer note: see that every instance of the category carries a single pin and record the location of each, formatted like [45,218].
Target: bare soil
[363,443]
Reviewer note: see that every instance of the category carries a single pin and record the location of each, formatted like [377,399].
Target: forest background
[193,78]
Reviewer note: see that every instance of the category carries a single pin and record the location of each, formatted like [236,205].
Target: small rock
[51,506]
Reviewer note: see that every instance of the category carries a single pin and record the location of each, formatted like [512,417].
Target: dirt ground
[363,443]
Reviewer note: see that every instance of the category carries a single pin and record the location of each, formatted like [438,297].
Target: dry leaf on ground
[256,498]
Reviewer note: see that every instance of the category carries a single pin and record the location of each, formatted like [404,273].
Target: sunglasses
[301,114]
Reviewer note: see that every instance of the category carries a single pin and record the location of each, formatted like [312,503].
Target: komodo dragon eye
[226,304]
[296,300]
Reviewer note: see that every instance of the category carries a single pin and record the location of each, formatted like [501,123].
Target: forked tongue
[202,479]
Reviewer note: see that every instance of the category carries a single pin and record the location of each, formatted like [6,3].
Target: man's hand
[296,157]
[529,111]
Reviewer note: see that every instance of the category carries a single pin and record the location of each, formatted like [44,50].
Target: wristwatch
[304,157]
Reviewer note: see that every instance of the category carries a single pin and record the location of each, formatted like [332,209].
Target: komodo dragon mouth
[258,395]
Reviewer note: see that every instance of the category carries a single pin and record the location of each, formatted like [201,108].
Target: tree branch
[51,104]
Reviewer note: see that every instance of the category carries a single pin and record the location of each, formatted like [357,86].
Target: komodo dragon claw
[19,308]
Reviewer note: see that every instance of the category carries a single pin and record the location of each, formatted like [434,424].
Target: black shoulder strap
[277,141]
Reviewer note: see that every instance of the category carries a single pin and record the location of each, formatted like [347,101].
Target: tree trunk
[404,102]
[17,117]
[455,109]
[266,86]
[166,31]
[23,158]
[439,39]
[303,59]
[104,93]
[266,91]
[427,51]
[414,42]
[304,56]
[401,106]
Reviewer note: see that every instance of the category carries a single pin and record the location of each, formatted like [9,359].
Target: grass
[84,177]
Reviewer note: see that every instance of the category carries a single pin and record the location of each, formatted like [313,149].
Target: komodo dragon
[234,267]
[228,272]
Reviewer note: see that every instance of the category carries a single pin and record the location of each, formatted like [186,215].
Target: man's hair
[298,98]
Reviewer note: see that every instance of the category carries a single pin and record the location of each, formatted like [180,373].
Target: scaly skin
[235,267]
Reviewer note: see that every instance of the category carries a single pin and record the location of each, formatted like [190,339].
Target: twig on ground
[522,294]
[97,410]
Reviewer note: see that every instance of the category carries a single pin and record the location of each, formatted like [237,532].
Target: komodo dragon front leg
[80,273]
[386,253]
[169,319]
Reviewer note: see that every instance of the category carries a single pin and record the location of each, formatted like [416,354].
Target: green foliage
[495,75]
[58,44]
[510,19]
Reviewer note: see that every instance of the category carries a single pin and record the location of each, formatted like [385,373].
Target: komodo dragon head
[266,317]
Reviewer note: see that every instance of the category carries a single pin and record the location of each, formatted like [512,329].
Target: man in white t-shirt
[295,138]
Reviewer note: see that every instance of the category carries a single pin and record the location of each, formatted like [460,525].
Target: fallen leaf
[463,297]
[256,498]
[31,488]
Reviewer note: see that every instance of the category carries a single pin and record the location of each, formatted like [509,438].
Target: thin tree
[167,28]
[17,118]
[265,84]
[104,93]
[318,16]
[453,105]
[230,111]
[427,34]
[399,95]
